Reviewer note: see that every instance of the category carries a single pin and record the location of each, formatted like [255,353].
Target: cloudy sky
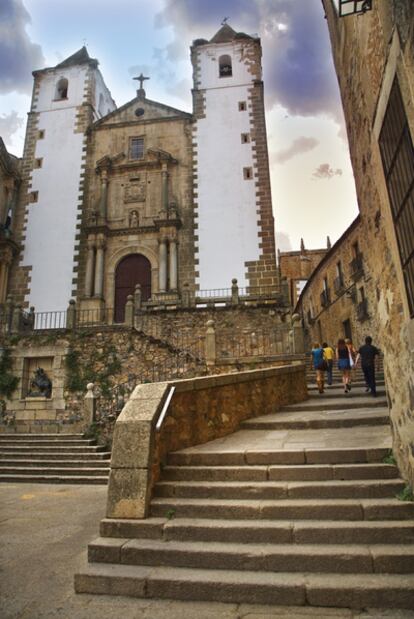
[312,182]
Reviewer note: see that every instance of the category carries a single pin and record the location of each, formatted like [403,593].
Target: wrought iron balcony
[339,284]
[357,267]
[362,310]
[325,297]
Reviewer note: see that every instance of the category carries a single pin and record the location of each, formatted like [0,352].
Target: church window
[397,154]
[225,69]
[245,138]
[62,89]
[242,106]
[136,148]
[247,173]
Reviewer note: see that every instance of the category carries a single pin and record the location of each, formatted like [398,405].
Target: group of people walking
[347,358]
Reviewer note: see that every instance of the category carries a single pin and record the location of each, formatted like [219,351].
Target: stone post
[162,267]
[90,264]
[129,311]
[298,335]
[89,404]
[16,319]
[164,189]
[99,269]
[173,265]
[137,297]
[71,315]
[210,345]
[234,292]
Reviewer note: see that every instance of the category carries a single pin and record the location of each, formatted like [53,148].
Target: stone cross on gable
[141,78]
[141,92]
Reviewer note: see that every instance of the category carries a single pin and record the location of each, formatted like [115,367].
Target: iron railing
[257,343]
[110,402]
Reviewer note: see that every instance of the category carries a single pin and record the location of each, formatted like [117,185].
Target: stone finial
[302,245]
[328,243]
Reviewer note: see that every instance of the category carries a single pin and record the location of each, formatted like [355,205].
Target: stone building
[374,59]
[335,302]
[145,194]
[9,188]
[297,267]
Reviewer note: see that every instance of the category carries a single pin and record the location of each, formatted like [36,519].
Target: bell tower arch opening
[132,270]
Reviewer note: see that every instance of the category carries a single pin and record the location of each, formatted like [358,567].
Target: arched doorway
[132,270]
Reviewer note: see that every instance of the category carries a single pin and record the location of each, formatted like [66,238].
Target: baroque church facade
[143,199]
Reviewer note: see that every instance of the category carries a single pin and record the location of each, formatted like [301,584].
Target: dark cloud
[298,146]
[325,171]
[297,61]
[9,124]
[18,55]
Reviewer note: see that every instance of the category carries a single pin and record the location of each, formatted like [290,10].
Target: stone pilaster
[6,257]
[164,189]
[90,266]
[173,266]
[162,269]
[99,266]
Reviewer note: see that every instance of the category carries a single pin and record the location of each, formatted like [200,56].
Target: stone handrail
[202,409]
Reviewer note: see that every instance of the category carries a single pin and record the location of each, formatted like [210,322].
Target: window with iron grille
[136,148]
[397,154]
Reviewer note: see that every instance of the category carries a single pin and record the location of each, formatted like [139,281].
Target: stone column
[103,201]
[173,265]
[164,189]
[90,265]
[71,315]
[6,257]
[99,267]
[162,267]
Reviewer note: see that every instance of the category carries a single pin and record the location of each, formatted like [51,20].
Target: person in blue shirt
[318,363]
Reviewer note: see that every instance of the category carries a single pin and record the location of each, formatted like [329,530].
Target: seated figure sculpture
[41,385]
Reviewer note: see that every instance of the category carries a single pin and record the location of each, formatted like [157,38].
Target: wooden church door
[132,270]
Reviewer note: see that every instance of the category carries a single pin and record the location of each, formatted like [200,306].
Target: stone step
[96,455]
[33,449]
[18,444]
[323,402]
[268,557]
[35,462]
[317,420]
[54,470]
[284,509]
[262,531]
[40,437]
[337,385]
[278,456]
[44,478]
[310,472]
[299,589]
[271,490]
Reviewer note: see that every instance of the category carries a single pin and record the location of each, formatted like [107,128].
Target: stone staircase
[296,508]
[52,458]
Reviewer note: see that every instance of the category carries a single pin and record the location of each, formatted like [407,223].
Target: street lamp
[352,7]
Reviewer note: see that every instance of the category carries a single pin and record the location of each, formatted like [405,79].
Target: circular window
[139,111]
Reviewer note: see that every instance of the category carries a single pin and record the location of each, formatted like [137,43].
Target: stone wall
[349,308]
[298,266]
[200,410]
[370,52]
